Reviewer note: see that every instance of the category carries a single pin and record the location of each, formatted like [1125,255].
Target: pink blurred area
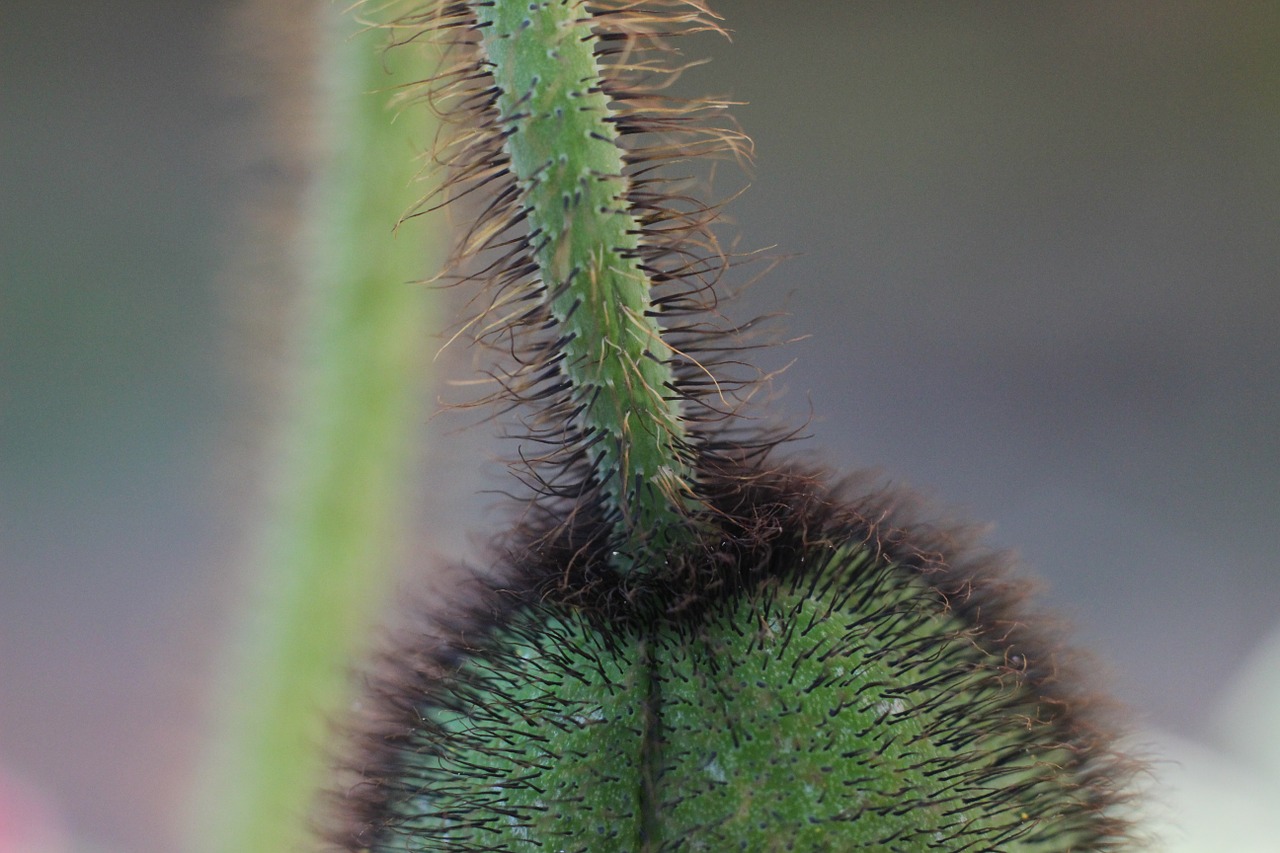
[29,821]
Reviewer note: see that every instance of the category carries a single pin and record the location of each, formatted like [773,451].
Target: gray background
[1037,257]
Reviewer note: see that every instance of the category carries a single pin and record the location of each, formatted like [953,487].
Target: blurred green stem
[348,451]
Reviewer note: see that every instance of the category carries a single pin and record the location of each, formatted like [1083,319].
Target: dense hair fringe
[999,673]
[509,309]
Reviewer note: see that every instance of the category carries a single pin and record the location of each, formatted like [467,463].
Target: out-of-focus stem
[349,445]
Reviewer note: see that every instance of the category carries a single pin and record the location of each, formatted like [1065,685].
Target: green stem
[331,541]
[568,165]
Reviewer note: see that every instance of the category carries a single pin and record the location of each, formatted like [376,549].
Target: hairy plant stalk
[349,446]
[592,264]
[563,147]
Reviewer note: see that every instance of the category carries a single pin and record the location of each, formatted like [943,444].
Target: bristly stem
[562,141]
[598,271]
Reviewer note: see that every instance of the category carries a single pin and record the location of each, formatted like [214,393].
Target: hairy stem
[565,158]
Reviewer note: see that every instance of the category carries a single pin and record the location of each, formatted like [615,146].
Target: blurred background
[1035,258]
